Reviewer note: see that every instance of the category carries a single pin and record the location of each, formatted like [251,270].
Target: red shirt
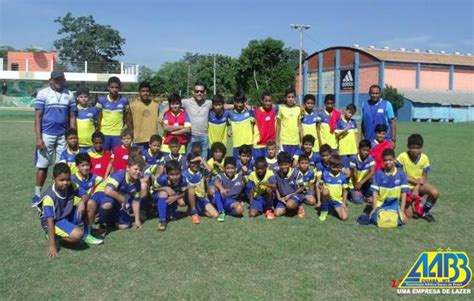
[266,124]
[99,162]
[120,156]
[181,119]
[376,152]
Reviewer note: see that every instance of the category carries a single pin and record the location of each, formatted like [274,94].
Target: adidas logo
[348,80]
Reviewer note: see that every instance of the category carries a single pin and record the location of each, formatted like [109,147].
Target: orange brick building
[31,61]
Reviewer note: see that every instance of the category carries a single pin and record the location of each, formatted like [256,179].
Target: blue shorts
[334,204]
[63,227]
[259,203]
[111,141]
[359,196]
[346,160]
[201,204]
[259,152]
[119,215]
[228,202]
[290,149]
[298,199]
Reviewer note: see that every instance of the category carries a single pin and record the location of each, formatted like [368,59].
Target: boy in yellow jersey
[309,119]
[416,165]
[112,113]
[346,135]
[68,156]
[241,121]
[325,133]
[288,130]
[261,186]
[271,157]
[362,169]
[334,190]
[217,122]
[86,117]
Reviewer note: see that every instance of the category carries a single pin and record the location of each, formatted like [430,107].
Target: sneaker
[101,231]
[195,219]
[323,216]
[161,227]
[270,214]
[428,217]
[221,217]
[91,240]
[35,200]
[300,212]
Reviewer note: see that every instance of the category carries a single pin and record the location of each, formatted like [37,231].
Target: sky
[162,31]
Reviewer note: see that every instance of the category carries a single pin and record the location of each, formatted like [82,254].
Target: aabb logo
[440,269]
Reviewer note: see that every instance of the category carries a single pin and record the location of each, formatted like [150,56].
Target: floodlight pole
[215,87]
[301,28]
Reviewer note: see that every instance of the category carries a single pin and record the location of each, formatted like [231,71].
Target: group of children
[283,157]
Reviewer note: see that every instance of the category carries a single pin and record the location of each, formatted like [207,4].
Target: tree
[4,51]
[85,40]
[391,94]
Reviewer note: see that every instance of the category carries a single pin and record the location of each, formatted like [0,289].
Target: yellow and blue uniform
[217,127]
[326,136]
[68,156]
[111,124]
[259,196]
[183,162]
[86,118]
[216,169]
[389,187]
[363,168]
[348,143]
[250,168]
[60,207]
[242,129]
[335,184]
[289,128]
[414,169]
[85,184]
[314,158]
[272,164]
[197,181]
[309,178]
[288,184]
[164,209]
[152,162]
[308,123]
[234,186]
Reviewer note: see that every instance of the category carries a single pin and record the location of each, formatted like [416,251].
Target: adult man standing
[378,111]
[142,117]
[55,112]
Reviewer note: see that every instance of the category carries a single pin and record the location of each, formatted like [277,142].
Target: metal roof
[439,97]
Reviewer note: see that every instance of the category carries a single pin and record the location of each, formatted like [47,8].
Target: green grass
[288,258]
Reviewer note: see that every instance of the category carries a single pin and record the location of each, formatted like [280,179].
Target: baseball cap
[57,74]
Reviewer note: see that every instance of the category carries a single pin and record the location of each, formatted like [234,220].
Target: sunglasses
[199,91]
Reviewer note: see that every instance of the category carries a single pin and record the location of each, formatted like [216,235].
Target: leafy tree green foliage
[391,94]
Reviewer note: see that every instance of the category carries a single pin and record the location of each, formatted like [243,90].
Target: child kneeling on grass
[230,186]
[334,190]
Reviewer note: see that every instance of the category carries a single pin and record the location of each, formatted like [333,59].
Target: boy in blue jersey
[153,165]
[174,154]
[261,186]
[272,152]
[59,216]
[194,175]
[68,156]
[362,169]
[290,188]
[389,188]
[245,162]
[115,195]
[86,118]
[230,186]
[170,190]
[334,190]
[307,145]
[325,153]
[309,180]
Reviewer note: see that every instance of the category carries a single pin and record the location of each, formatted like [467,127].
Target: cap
[82,90]
[57,74]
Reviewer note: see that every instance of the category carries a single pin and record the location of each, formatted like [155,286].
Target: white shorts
[44,157]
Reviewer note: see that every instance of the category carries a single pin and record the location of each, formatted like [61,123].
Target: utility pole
[189,80]
[215,87]
[301,28]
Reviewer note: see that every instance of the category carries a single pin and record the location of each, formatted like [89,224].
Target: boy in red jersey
[121,152]
[100,158]
[265,125]
[175,124]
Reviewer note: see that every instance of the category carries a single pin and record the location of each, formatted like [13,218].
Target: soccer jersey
[183,162]
[85,118]
[289,124]
[120,156]
[152,161]
[362,167]
[145,119]
[259,183]
[120,183]
[234,186]
[163,181]
[68,156]
[216,168]
[56,108]
[86,184]
[290,182]
[321,167]
[242,127]
[326,136]
[265,126]
[335,184]
[272,164]
[389,185]
[217,127]
[196,179]
[314,158]
[250,167]
[99,161]
[414,169]
[179,119]
[112,114]
[308,123]
[347,143]
[57,205]
[309,178]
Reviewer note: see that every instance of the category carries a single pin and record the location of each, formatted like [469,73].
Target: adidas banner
[347,80]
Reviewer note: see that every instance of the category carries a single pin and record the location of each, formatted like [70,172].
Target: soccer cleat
[300,212]
[270,214]
[428,217]
[161,227]
[323,216]
[35,200]
[195,219]
[91,240]
[221,217]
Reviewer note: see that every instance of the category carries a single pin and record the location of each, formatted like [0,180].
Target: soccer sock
[162,207]
[105,216]
[325,207]
[218,201]
[428,205]
[38,190]
[193,211]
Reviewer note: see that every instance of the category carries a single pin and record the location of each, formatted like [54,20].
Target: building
[32,61]
[437,86]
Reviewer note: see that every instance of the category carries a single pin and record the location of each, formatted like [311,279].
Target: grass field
[288,258]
